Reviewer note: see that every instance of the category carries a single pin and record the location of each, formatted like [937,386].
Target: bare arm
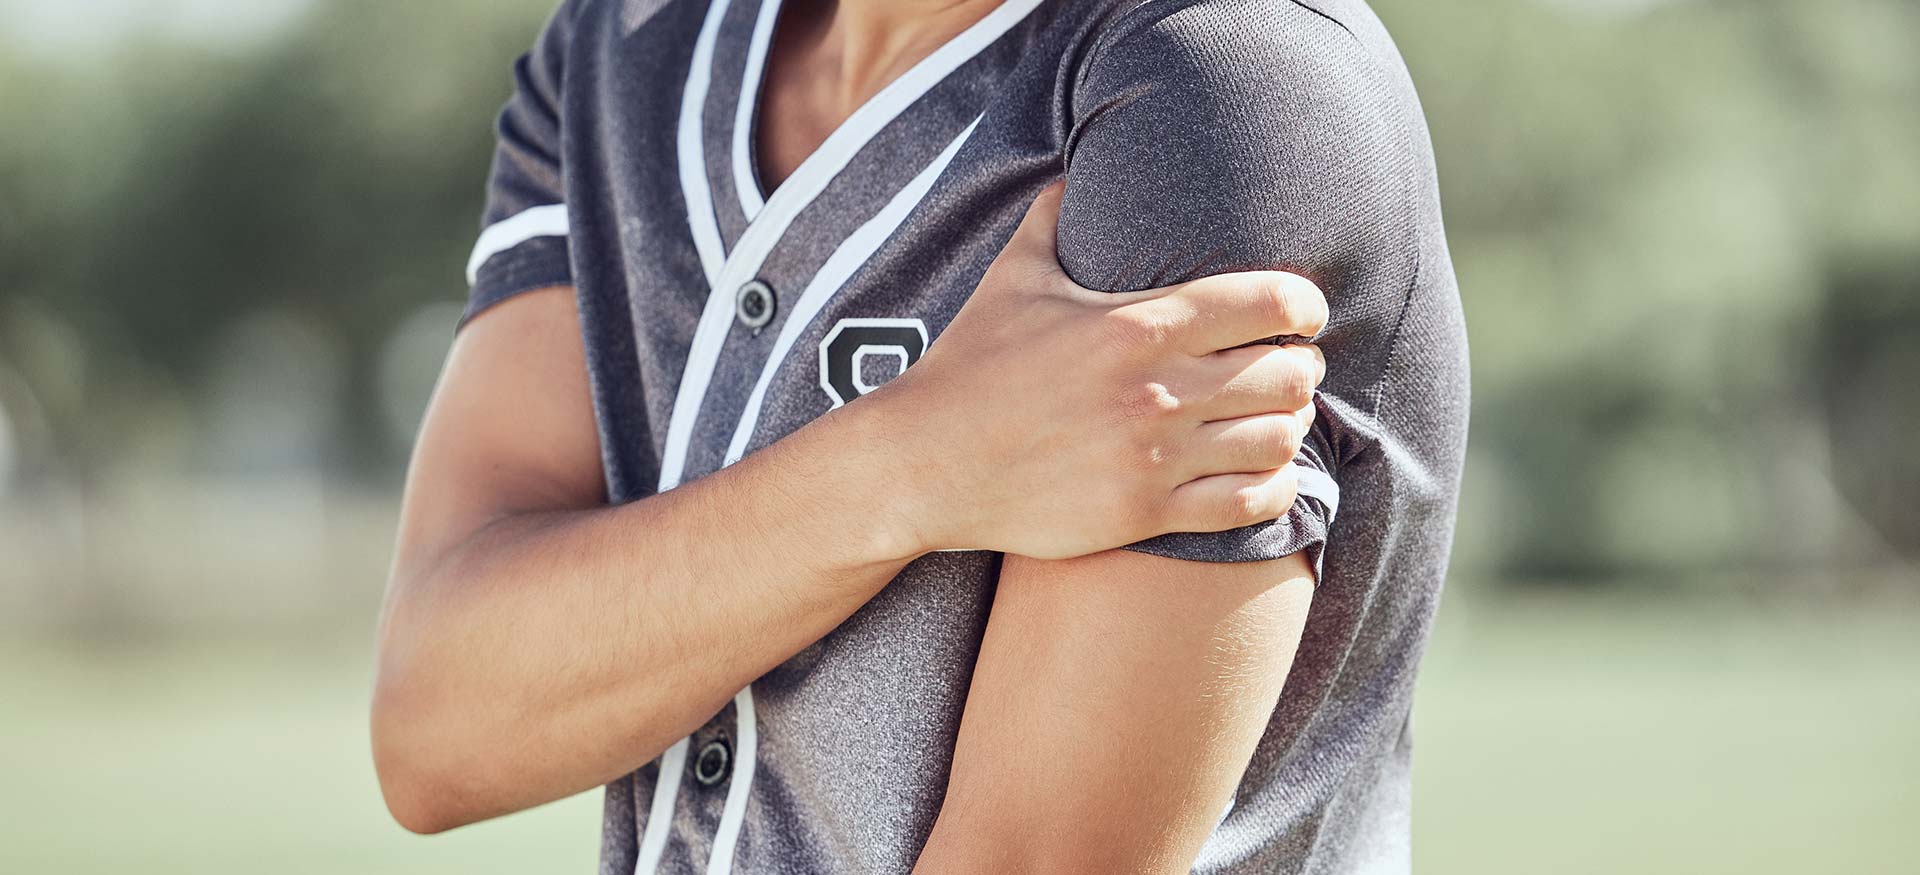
[1116,701]
[535,642]
[525,618]
[1108,724]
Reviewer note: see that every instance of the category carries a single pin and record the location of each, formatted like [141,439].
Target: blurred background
[1682,632]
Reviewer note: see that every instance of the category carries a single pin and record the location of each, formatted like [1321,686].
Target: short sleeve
[1222,135]
[523,239]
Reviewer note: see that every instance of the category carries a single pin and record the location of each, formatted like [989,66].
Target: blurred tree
[1684,233]
[1870,382]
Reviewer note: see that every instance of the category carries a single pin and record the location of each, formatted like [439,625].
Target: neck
[871,42]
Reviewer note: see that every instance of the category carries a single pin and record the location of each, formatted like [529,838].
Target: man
[753,457]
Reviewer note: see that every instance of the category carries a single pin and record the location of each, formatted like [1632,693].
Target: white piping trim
[705,228]
[746,750]
[848,257]
[710,331]
[1319,486]
[660,814]
[744,182]
[725,271]
[692,148]
[839,267]
[799,190]
[542,221]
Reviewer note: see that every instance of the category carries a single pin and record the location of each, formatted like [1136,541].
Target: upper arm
[509,429]
[510,426]
[1207,136]
[1117,698]
[1115,704]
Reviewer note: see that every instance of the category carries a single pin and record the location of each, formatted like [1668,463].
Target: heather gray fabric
[1196,136]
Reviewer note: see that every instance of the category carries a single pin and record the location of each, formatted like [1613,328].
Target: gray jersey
[1195,136]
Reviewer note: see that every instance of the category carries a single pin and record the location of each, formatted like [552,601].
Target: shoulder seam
[1323,14]
[1376,397]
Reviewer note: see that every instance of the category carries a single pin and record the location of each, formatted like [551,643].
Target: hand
[1053,421]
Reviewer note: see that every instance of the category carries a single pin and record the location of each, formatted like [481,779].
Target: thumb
[1038,232]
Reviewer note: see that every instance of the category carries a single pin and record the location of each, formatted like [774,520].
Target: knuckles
[1296,376]
[1246,505]
[1294,388]
[1268,500]
[1145,401]
[1293,433]
[1136,331]
[1272,297]
[1284,491]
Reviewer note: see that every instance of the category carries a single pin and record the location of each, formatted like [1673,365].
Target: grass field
[1556,734]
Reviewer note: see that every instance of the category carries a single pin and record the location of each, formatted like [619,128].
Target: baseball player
[860,454]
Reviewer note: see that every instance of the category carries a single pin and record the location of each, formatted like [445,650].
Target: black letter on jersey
[852,340]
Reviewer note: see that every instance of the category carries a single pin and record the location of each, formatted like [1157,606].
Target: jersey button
[753,305]
[711,766]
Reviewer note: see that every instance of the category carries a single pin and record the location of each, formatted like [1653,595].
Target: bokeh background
[1682,633]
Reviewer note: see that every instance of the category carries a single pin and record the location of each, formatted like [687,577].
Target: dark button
[754,304]
[711,766]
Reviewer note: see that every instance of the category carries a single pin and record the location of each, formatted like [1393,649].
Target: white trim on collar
[839,267]
[725,271]
[744,180]
[690,148]
[795,194]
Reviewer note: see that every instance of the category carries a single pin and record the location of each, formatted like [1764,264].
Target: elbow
[408,751]
[413,780]
[412,807]
[404,783]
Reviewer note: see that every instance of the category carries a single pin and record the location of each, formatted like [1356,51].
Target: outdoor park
[1680,632]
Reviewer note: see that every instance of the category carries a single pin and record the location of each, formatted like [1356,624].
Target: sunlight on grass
[1558,734]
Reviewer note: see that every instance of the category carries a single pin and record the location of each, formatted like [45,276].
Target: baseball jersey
[1195,137]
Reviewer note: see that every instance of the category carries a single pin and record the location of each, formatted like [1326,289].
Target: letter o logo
[845,349]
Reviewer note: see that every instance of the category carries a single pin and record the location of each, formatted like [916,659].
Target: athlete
[860,452]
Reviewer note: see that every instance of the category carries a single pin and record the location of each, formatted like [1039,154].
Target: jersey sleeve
[523,238]
[1222,135]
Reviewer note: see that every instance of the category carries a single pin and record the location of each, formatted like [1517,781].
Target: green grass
[1559,735]
[226,757]
[1595,737]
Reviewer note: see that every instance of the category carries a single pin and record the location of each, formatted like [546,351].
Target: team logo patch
[850,347]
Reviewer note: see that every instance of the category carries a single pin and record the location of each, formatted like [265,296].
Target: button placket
[754,304]
[714,762]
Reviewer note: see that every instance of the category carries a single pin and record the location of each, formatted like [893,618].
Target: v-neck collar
[726,269]
[746,113]
[769,216]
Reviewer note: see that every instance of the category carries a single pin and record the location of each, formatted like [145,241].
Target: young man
[775,478]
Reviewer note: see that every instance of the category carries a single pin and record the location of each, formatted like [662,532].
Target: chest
[753,310]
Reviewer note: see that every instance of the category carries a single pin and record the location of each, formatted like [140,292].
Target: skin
[537,642]
[1145,681]
[1116,701]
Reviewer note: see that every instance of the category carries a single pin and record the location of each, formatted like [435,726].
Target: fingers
[1230,501]
[1247,445]
[1259,379]
[1231,309]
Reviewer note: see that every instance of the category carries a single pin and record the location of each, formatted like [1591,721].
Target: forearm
[550,652]
[537,643]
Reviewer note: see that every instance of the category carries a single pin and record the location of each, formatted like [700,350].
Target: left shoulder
[1245,82]
[1318,51]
